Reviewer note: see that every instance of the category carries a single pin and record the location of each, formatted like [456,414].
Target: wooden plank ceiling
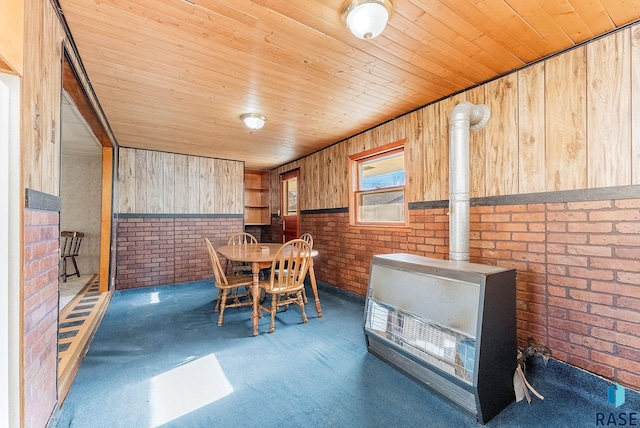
[175,75]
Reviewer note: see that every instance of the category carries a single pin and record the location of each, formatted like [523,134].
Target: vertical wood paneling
[238,184]
[566,152]
[477,150]
[226,192]
[327,169]
[155,182]
[193,184]
[635,106]
[357,143]
[32,120]
[532,176]
[369,139]
[340,176]
[414,156]
[323,168]
[168,182]
[307,176]
[40,94]
[433,187]
[384,134]
[342,186]
[127,177]
[324,174]
[141,181]
[181,189]
[501,135]
[207,178]
[609,111]
[274,184]
[51,82]
[399,128]
[316,190]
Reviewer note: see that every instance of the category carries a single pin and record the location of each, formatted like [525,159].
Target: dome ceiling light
[366,18]
[253,121]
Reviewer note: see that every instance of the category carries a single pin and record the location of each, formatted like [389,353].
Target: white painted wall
[81,201]
[9,250]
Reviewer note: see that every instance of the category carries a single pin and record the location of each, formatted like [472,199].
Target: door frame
[10,252]
[71,83]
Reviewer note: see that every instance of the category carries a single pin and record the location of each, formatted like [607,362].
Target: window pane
[381,206]
[291,196]
[382,172]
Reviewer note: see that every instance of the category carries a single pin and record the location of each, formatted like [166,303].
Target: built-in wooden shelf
[256,198]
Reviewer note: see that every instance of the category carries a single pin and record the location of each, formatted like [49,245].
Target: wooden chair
[228,285]
[309,240]
[286,282]
[70,249]
[240,238]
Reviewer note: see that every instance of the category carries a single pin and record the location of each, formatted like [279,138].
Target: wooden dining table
[261,256]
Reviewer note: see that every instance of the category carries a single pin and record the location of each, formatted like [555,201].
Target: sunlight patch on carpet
[154,297]
[188,387]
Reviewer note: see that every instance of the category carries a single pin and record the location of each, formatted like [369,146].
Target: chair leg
[217,308]
[223,303]
[75,265]
[64,269]
[274,307]
[301,304]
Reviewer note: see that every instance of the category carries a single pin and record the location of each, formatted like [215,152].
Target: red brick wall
[167,250]
[40,322]
[577,263]
[593,275]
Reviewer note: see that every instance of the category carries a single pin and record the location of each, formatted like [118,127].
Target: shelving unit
[256,198]
[449,325]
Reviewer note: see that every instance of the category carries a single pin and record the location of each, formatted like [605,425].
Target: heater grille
[453,392]
[447,350]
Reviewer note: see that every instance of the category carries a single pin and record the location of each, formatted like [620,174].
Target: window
[377,186]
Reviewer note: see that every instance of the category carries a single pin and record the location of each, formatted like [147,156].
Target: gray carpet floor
[159,359]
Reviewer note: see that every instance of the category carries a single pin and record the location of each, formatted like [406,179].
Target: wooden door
[290,186]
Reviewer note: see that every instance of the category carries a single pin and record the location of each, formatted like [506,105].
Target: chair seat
[237,281]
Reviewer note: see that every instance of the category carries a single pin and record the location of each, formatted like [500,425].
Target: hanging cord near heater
[520,384]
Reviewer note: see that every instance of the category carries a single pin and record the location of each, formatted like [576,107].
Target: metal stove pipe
[464,117]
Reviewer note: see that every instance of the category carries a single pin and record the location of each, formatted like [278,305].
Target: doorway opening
[85,224]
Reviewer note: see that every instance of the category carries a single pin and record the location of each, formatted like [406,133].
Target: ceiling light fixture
[253,121]
[366,18]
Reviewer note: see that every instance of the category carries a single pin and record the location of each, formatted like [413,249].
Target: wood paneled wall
[153,182]
[40,95]
[562,124]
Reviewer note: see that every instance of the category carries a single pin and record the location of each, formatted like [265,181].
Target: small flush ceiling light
[253,121]
[366,18]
